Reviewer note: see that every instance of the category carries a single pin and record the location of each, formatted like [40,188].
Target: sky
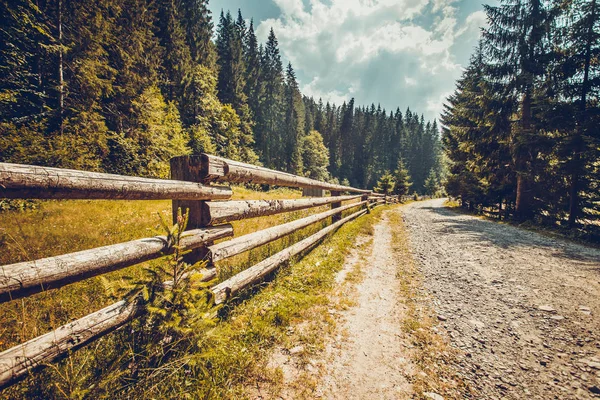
[397,53]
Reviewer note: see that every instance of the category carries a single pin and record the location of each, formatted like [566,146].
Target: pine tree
[270,117]
[198,26]
[385,184]
[177,60]
[582,46]
[232,79]
[431,185]
[294,122]
[402,179]
[517,55]
[252,59]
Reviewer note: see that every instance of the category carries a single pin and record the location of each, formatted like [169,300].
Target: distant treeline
[123,85]
[523,127]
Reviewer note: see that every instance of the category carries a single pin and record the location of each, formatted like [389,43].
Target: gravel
[521,308]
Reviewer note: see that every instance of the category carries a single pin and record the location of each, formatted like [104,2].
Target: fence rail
[193,187]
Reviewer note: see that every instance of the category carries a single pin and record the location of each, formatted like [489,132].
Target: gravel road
[523,308]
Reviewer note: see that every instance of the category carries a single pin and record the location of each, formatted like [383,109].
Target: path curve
[523,308]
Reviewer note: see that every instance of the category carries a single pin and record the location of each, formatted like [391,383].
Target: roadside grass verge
[432,354]
[290,311]
[232,354]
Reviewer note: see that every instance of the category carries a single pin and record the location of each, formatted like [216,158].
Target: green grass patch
[225,361]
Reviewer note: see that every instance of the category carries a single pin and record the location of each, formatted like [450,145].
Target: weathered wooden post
[365,197]
[337,204]
[188,168]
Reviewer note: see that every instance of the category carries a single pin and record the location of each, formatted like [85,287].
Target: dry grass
[432,354]
[234,347]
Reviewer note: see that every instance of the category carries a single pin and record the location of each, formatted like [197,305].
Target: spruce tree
[402,178]
[198,26]
[582,47]
[294,122]
[516,50]
[271,116]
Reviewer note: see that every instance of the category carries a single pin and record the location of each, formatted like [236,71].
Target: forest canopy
[123,85]
[521,129]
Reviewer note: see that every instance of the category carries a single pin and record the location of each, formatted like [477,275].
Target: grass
[432,354]
[61,227]
[231,350]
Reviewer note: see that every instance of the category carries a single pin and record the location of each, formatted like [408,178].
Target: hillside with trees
[521,129]
[123,85]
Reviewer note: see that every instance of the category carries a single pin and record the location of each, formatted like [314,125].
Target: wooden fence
[196,182]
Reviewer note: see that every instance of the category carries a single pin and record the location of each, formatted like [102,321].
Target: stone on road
[520,306]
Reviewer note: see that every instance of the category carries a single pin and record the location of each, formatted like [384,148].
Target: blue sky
[393,52]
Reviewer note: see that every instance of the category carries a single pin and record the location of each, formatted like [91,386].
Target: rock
[557,317]
[546,308]
[477,323]
[442,318]
[433,396]
[595,389]
[586,310]
[296,350]
[591,363]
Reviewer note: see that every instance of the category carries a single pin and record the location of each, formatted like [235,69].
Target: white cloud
[397,52]
[474,22]
[410,81]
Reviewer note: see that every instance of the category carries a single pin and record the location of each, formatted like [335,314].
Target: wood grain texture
[250,241]
[218,212]
[25,278]
[226,289]
[33,182]
[217,169]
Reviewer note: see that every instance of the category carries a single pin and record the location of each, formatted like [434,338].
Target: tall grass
[59,227]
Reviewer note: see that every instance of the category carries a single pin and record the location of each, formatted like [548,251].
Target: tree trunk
[574,202]
[61,82]
[523,201]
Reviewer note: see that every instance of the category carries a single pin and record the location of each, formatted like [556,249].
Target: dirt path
[523,308]
[370,362]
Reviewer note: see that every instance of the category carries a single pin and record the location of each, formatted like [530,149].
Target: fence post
[365,197]
[337,204]
[188,168]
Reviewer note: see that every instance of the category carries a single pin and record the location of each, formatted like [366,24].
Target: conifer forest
[522,128]
[122,86]
[299,199]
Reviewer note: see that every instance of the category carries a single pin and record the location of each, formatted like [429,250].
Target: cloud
[410,81]
[393,52]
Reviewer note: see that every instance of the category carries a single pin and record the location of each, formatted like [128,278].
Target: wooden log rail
[23,279]
[217,169]
[226,289]
[218,212]
[18,361]
[192,189]
[31,182]
[250,241]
